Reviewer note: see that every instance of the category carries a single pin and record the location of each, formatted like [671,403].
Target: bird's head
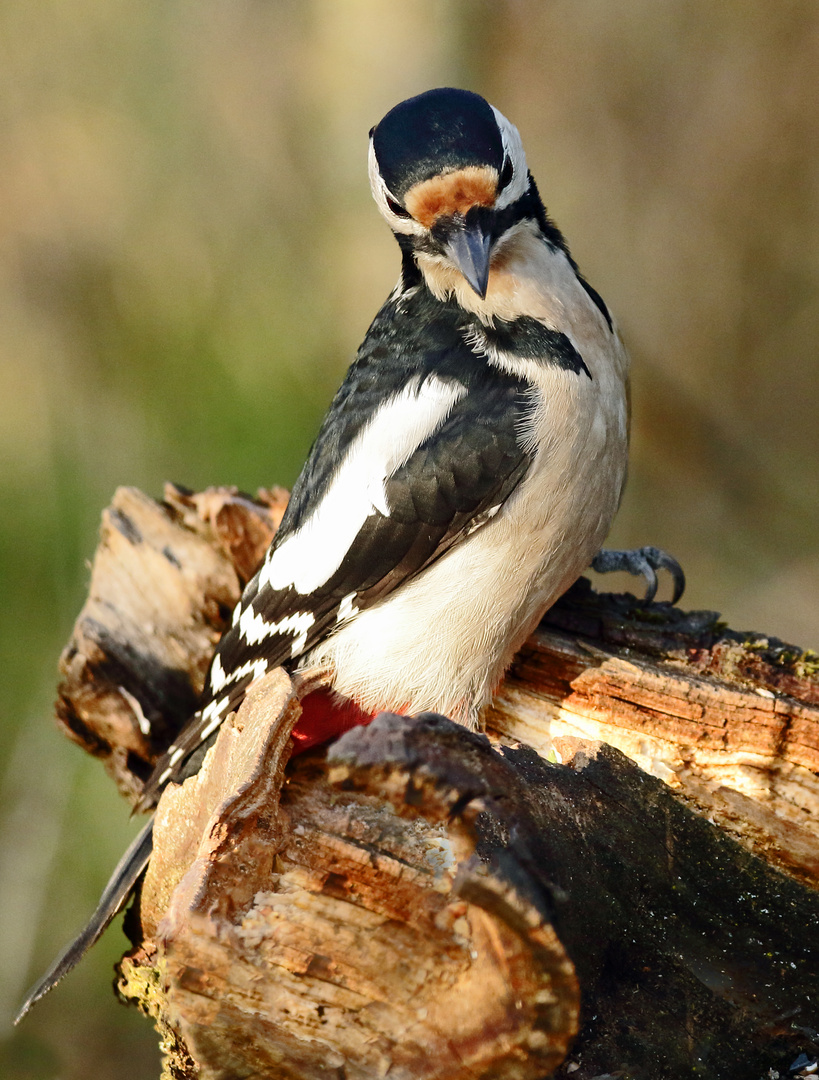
[449,174]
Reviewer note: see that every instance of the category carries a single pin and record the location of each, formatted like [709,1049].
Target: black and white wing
[419,449]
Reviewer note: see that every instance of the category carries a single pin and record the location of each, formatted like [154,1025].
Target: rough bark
[621,879]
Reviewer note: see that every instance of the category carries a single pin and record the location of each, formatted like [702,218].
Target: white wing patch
[219,678]
[308,558]
[255,628]
[346,609]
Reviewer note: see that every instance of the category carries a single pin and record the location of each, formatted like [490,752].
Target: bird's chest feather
[576,375]
[473,606]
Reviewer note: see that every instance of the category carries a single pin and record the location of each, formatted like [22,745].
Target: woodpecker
[466,473]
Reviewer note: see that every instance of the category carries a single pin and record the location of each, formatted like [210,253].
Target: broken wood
[304,933]
[633,854]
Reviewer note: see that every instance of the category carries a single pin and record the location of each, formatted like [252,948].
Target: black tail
[119,887]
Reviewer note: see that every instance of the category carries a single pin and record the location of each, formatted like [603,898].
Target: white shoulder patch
[308,558]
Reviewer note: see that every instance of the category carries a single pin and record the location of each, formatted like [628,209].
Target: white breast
[442,641]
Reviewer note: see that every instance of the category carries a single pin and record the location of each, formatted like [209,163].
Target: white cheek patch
[518,366]
[513,148]
[406,225]
[308,558]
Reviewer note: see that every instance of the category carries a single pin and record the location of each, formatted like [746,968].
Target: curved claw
[649,575]
[643,562]
[661,560]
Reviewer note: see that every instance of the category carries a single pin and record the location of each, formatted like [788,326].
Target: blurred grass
[189,257]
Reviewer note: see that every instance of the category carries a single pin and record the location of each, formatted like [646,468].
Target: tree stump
[618,879]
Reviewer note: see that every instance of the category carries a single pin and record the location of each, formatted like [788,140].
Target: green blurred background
[189,257]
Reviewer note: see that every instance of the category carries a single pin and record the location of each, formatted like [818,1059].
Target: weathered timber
[731,721]
[416,901]
[165,579]
[304,933]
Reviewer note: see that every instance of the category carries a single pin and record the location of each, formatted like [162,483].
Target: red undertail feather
[324,715]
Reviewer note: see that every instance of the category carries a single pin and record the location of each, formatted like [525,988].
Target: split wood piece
[727,720]
[376,944]
[730,720]
[694,956]
[300,933]
[165,579]
[710,712]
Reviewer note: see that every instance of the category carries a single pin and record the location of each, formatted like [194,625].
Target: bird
[465,475]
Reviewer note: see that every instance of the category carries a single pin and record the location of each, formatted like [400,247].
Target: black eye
[506,175]
[397,209]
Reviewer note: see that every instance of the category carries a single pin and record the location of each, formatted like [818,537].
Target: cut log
[303,934]
[731,721]
[622,878]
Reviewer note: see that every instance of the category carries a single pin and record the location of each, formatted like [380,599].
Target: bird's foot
[643,562]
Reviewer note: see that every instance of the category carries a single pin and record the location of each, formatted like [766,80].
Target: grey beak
[469,247]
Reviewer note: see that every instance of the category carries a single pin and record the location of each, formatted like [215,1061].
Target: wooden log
[165,578]
[304,934]
[731,721]
[421,901]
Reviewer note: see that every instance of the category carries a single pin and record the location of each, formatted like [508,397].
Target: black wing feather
[449,487]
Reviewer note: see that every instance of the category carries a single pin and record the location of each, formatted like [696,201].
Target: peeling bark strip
[422,902]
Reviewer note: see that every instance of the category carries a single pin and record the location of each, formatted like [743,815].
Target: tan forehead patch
[452,193]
